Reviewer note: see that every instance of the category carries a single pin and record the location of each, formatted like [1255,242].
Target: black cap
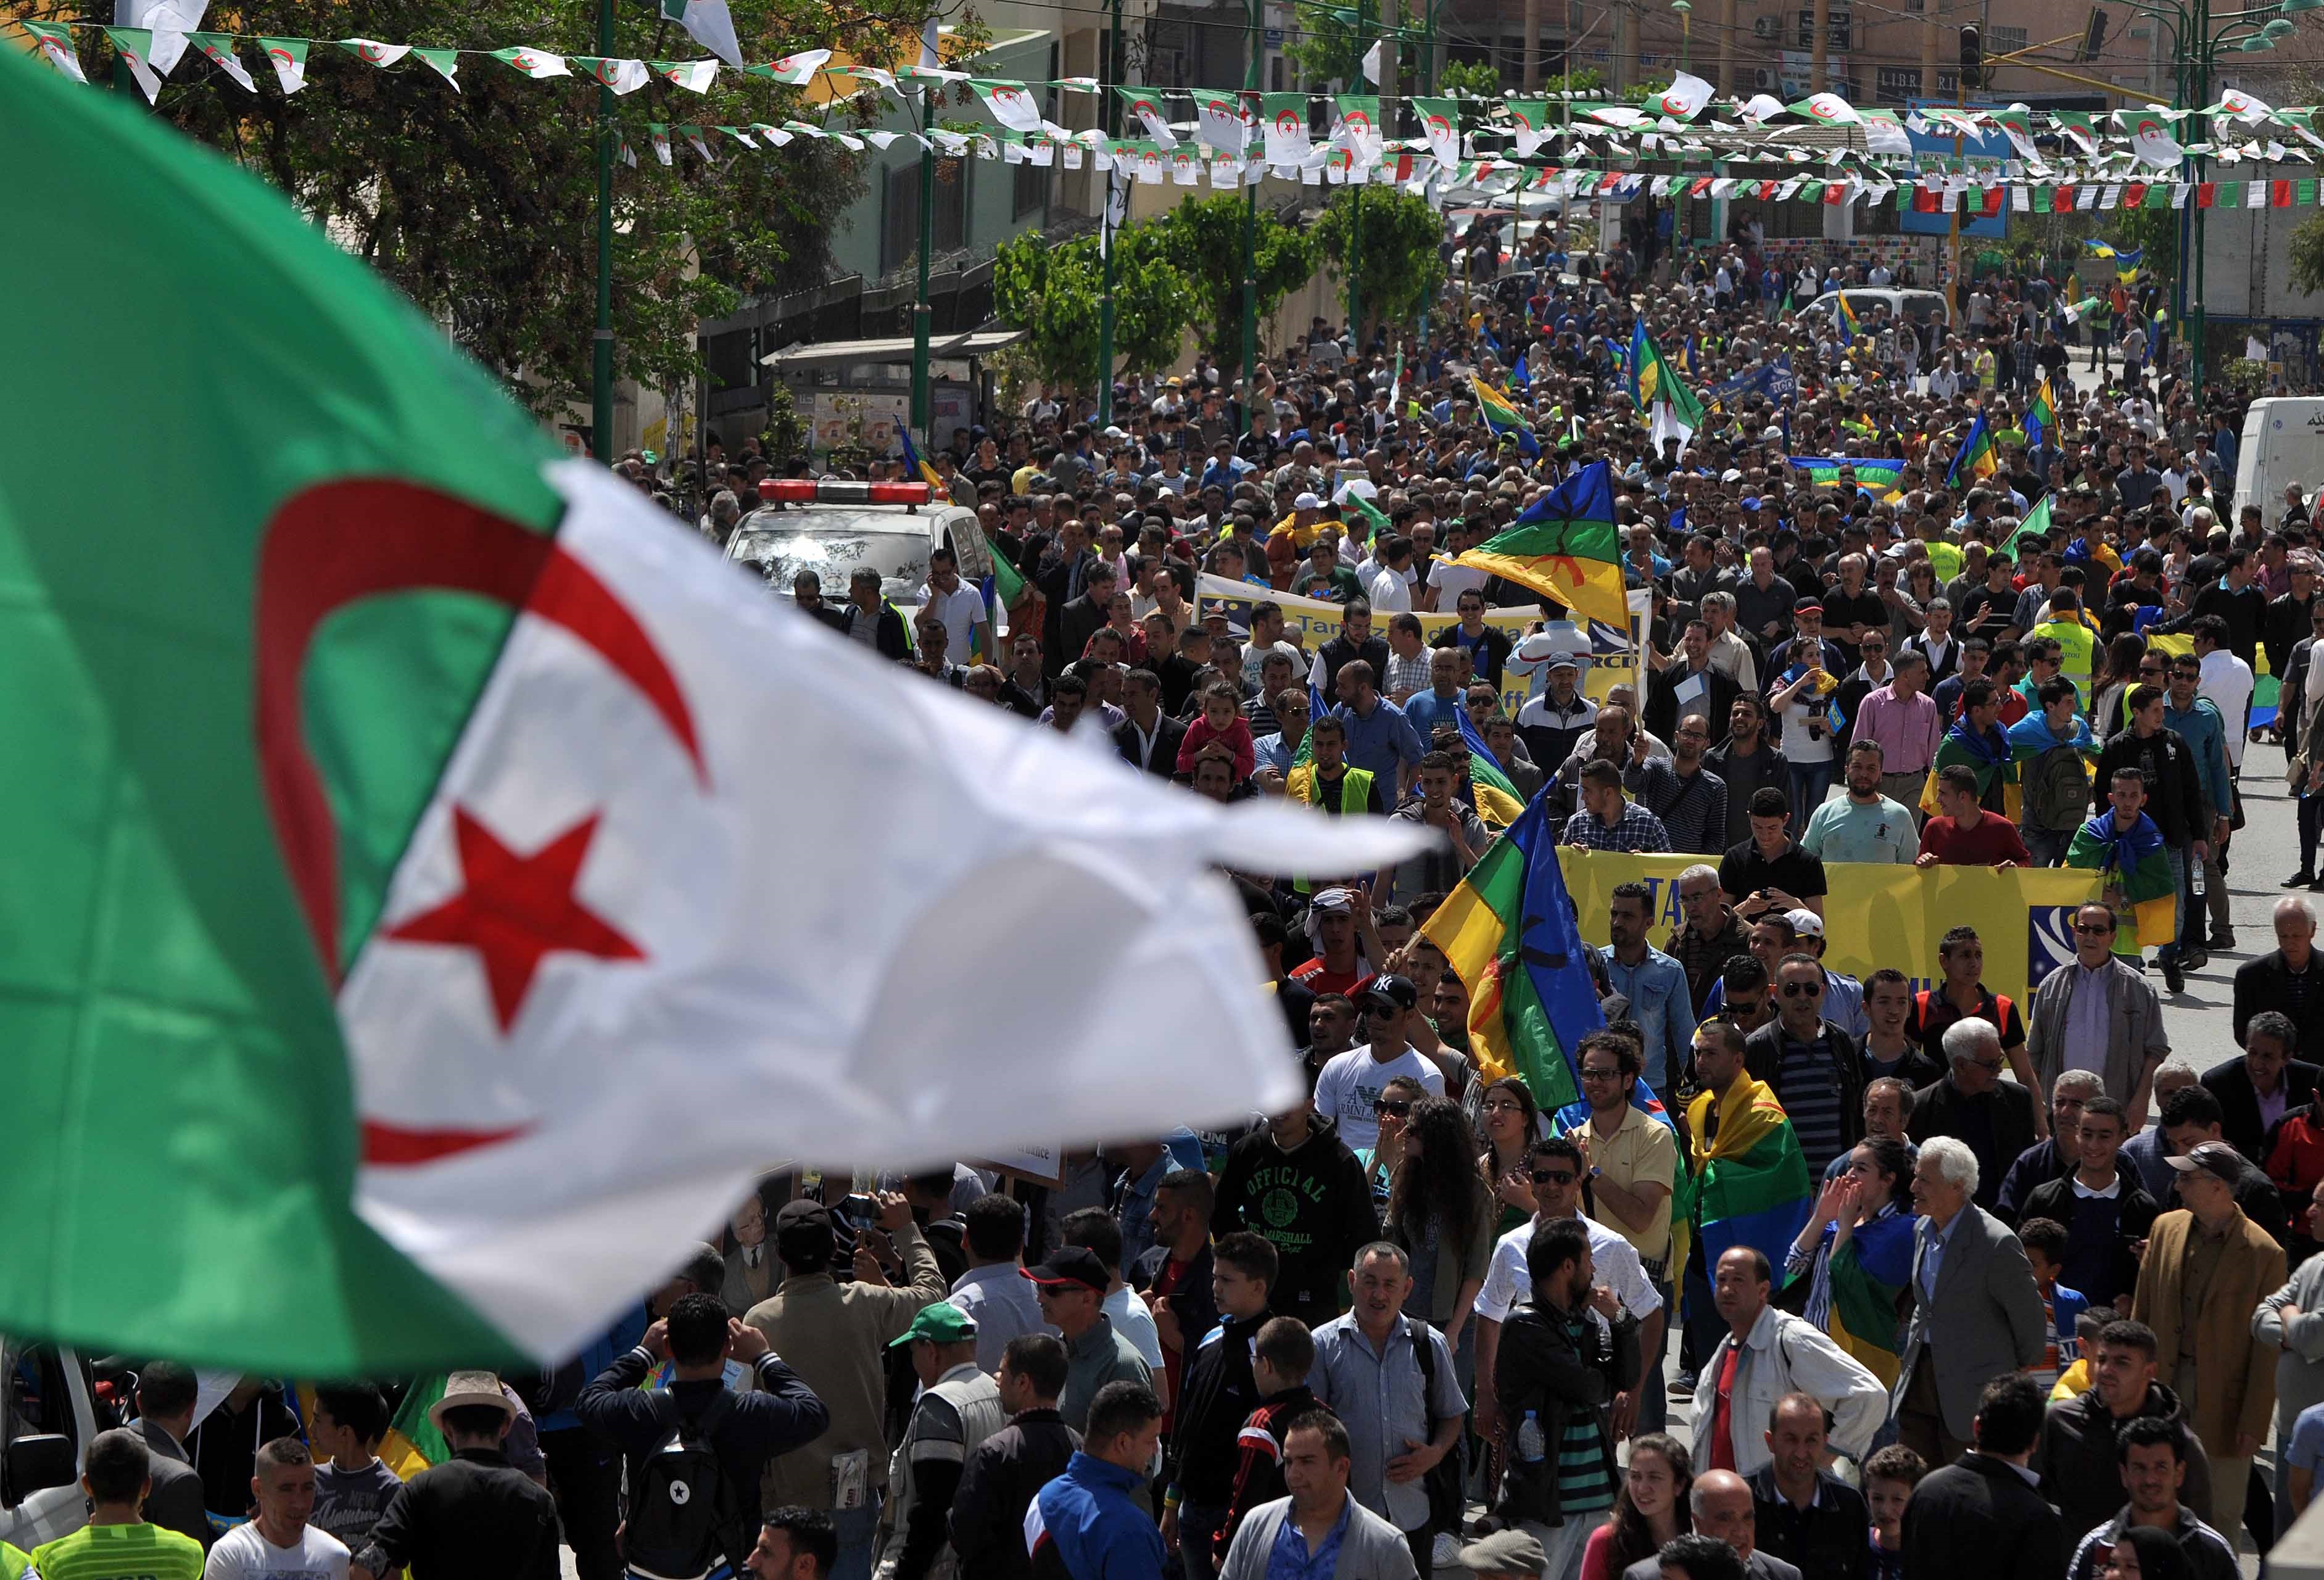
[804,1224]
[1397,992]
[1073,1264]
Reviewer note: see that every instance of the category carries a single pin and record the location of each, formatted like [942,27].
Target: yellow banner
[1312,622]
[1877,916]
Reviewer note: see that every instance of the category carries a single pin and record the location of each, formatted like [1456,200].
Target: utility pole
[600,373]
[1112,79]
[1252,148]
[923,412]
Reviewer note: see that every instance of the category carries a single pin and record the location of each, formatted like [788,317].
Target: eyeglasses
[1792,990]
[1397,1108]
[1613,1074]
[1505,1107]
[1553,1176]
[2093,929]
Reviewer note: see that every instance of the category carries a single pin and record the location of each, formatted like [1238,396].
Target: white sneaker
[1446,1554]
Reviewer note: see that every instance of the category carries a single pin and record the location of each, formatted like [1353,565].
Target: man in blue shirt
[1091,1520]
[2199,723]
[1653,982]
[1444,700]
[1380,739]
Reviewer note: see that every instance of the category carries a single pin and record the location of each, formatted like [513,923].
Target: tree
[2156,230]
[1398,267]
[1203,240]
[480,205]
[1052,294]
[1476,78]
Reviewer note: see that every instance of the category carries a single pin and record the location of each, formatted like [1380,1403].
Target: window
[2005,41]
[1030,190]
[1840,30]
[899,220]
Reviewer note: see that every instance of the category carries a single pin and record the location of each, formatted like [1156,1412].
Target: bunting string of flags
[2129,158]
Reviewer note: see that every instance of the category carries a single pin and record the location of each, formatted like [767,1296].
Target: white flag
[694,76]
[1684,100]
[2254,349]
[2151,140]
[708,23]
[173,22]
[1372,61]
[1761,106]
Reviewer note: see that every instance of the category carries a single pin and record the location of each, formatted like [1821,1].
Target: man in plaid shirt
[1608,819]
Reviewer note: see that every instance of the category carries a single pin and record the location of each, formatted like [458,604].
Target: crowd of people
[2051,1285]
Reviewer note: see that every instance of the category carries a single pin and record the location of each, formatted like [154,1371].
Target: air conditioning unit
[1764,80]
[1763,27]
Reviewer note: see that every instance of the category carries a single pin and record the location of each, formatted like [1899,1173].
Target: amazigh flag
[2041,415]
[408,812]
[1006,592]
[1498,803]
[2139,869]
[1989,756]
[413,1443]
[1507,933]
[709,24]
[1656,388]
[1847,319]
[1975,458]
[917,465]
[1750,1184]
[1881,474]
[1564,544]
[1867,1277]
[1503,417]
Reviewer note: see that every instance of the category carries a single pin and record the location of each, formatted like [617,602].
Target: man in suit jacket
[2266,983]
[166,1391]
[1984,1516]
[1150,738]
[1994,1117]
[1084,615]
[1721,1502]
[1977,1312]
[1709,692]
[2264,1072]
[2211,1253]
[753,1271]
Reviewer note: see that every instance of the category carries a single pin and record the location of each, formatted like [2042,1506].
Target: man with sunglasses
[1997,1120]
[1815,1069]
[1556,1165]
[1350,1089]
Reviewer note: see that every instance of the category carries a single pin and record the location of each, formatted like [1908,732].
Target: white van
[2282,443]
[47,1419]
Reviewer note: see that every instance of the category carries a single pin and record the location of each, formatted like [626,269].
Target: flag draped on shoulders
[1868,1275]
[1565,545]
[1988,755]
[1750,1184]
[2139,867]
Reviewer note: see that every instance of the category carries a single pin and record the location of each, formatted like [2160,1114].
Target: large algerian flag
[437,883]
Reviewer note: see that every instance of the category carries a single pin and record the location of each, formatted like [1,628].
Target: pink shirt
[1906,730]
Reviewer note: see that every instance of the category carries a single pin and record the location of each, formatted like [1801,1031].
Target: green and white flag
[694,76]
[1143,107]
[444,64]
[709,24]
[1008,102]
[421,911]
[288,58]
[1219,123]
[1829,108]
[217,49]
[624,77]
[533,63]
[57,46]
[134,45]
[657,135]
[371,49]
[795,71]
[1440,119]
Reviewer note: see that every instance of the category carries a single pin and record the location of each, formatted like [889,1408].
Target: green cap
[943,1323]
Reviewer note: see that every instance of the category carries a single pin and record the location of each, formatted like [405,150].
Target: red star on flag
[516,910]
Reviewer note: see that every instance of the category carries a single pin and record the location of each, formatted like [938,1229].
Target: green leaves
[1202,237]
[1053,293]
[1396,266]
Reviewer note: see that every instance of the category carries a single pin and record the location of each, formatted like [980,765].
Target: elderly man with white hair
[1992,1117]
[1977,1312]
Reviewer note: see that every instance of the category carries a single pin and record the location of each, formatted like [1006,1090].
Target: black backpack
[682,1513]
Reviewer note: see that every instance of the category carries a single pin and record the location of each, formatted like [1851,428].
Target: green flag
[2034,535]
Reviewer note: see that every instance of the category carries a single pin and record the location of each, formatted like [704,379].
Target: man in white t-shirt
[1556,1167]
[952,600]
[1348,1091]
[280,1543]
[2227,682]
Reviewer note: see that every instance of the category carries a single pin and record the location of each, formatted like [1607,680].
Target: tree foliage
[1329,46]
[481,204]
[1053,293]
[2307,255]
[1202,239]
[1398,268]
[1478,79]
[2157,231]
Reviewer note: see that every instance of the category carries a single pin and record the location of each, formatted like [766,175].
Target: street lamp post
[921,311]
[1250,151]
[1112,79]
[1679,199]
[601,370]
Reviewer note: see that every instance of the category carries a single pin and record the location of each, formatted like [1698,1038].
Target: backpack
[682,1513]
[2055,789]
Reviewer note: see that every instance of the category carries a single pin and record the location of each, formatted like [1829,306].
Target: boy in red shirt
[1964,835]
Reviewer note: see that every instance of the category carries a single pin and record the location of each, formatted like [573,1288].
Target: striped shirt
[1583,1482]
[1811,1089]
[1636,829]
[121,1552]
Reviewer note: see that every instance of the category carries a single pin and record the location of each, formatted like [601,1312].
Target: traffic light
[2094,35]
[1972,58]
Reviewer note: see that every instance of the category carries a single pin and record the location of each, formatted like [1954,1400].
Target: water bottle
[2198,863]
[1530,1447]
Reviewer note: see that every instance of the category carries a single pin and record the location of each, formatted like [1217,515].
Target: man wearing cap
[1506,1555]
[1071,1286]
[1553,719]
[1349,1090]
[958,1408]
[475,1516]
[2207,1270]
[835,1335]
[743,1428]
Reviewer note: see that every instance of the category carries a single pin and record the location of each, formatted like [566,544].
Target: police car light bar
[806,491]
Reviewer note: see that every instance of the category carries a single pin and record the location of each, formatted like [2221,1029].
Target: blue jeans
[2047,846]
[1198,1525]
[1811,782]
[858,1529]
[2179,854]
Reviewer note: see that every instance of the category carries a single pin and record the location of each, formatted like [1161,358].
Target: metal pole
[2180,97]
[601,375]
[923,412]
[1105,216]
[1251,152]
[1356,234]
[2204,47]
[1952,265]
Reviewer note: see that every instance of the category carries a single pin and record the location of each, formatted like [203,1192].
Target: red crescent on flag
[336,543]
[1288,121]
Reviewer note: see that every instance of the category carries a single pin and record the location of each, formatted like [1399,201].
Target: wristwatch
[1595,1171]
